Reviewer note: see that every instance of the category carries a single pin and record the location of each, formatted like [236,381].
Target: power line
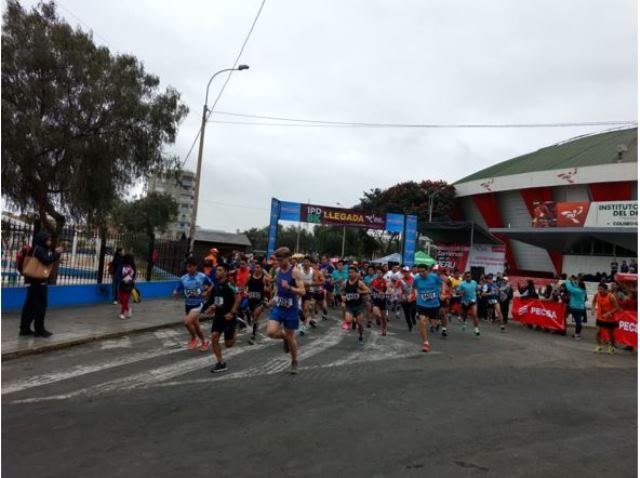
[104,40]
[235,64]
[321,123]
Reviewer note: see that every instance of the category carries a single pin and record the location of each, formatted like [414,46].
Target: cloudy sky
[436,61]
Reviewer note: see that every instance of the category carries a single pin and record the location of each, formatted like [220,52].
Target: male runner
[407,297]
[445,300]
[392,276]
[353,291]
[308,275]
[468,291]
[490,293]
[340,276]
[224,303]
[379,298]
[367,279]
[427,288]
[283,322]
[257,285]
[317,294]
[194,285]
[605,307]
[240,280]
[456,298]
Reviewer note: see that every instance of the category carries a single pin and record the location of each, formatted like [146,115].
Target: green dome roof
[591,150]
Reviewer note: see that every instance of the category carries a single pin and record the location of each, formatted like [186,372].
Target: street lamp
[192,233]
[431,197]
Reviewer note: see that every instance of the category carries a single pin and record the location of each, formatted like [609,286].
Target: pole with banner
[410,237]
[273,227]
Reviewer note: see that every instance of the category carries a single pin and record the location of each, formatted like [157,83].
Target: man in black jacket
[35,304]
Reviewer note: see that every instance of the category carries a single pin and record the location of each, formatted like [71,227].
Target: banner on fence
[627,332]
[547,314]
[453,257]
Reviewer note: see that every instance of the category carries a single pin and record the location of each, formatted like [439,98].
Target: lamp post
[192,232]
[344,235]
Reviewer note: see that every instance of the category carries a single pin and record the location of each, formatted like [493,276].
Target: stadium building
[570,207]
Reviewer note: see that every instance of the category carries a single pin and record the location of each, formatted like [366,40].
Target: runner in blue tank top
[284,314]
[427,290]
[193,285]
[490,292]
[468,290]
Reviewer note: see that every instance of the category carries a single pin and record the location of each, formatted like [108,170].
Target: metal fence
[87,254]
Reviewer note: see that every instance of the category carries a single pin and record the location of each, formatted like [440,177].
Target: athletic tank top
[285,298]
[379,289]
[255,288]
[604,305]
[351,294]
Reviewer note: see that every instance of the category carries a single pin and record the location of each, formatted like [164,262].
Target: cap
[406,269]
[436,267]
[282,252]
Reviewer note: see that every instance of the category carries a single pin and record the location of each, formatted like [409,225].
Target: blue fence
[86,294]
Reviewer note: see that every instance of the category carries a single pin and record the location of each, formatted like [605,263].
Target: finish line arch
[334,216]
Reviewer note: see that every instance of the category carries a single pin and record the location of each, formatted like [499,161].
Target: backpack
[20,257]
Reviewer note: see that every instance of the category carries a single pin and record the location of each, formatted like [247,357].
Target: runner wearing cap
[284,319]
[468,292]
[427,289]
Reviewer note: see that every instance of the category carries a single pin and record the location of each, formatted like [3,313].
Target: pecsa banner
[627,332]
[340,217]
[549,315]
[453,257]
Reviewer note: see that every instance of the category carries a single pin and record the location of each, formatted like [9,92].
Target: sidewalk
[79,325]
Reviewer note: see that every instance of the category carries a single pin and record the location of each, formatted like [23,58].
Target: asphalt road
[524,403]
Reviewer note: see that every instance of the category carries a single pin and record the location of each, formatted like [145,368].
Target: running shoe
[219,367]
[193,344]
[242,322]
[303,329]
[577,336]
[345,325]
[252,340]
[129,313]
[426,347]
[324,317]
[285,346]
[122,317]
[611,350]
[204,346]
[444,333]
[313,324]
[294,368]
[503,328]
[360,341]
[477,332]
[598,349]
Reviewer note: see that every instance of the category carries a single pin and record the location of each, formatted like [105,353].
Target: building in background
[581,196]
[226,243]
[182,189]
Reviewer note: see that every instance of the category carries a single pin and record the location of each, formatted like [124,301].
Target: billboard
[585,214]
[332,216]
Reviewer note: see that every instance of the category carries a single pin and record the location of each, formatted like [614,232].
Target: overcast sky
[444,61]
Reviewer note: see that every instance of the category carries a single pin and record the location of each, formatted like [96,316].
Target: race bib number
[193,292]
[315,288]
[283,302]
[218,301]
[428,296]
[255,295]
[379,295]
[351,296]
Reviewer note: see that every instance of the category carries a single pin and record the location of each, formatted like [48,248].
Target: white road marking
[169,337]
[121,343]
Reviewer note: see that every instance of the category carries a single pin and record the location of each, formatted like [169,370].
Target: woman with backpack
[115,269]
[127,283]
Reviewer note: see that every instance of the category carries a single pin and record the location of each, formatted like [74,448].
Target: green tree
[80,125]
[147,215]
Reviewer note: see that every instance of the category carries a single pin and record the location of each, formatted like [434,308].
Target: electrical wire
[235,64]
[285,121]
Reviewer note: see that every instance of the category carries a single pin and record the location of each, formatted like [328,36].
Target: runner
[339,276]
[490,293]
[426,287]
[283,322]
[392,277]
[605,306]
[308,276]
[445,300]
[328,290]
[318,294]
[257,285]
[194,285]
[240,279]
[407,297]
[456,298]
[223,303]
[379,299]
[468,292]
[367,279]
[353,292]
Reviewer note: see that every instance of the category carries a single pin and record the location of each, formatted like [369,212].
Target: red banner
[453,257]
[547,314]
[340,217]
[627,332]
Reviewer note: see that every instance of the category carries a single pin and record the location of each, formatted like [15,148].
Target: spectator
[35,304]
[127,284]
[505,296]
[633,267]
[210,262]
[577,299]
[614,268]
[529,290]
[115,269]
[624,268]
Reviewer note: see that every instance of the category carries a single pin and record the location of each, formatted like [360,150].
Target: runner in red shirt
[407,297]
[379,300]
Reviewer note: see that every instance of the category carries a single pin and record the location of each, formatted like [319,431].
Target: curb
[93,338]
